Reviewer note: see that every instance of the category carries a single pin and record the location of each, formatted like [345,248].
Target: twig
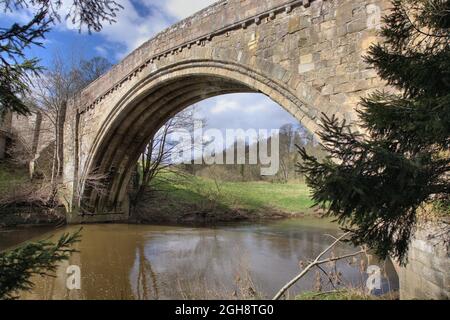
[330,279]
[316,262]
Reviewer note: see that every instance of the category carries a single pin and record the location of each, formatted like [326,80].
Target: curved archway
[147,106]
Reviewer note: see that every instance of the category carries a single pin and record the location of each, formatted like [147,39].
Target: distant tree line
[290,137]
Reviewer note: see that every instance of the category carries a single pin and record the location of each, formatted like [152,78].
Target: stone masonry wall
[427,275]
[5,130]
[34,134]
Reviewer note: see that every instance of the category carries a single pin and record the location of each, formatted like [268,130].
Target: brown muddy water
[246,260]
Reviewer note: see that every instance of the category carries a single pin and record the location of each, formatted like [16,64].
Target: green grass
[345,294]
[9,172]
[11,177]
[290,197]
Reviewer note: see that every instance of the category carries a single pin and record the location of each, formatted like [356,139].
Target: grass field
[289,197]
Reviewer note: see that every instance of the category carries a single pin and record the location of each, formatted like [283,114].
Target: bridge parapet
[220,18]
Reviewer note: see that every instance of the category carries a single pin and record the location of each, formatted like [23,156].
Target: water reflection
[161,262]
[13,236]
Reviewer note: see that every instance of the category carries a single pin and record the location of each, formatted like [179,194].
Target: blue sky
[137,23]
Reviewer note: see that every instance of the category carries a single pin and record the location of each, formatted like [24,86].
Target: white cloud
[224,105]
[21,16]
[134,26]
[132,29]
[243,111]
[241,103]
[182,8]
[101,51]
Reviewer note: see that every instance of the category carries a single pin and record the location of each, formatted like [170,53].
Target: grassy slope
[11,177]
[291,197]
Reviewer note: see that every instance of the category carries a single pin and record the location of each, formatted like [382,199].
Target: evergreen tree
[375,181]
[41,258]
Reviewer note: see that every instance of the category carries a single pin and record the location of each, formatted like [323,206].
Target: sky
[138,22]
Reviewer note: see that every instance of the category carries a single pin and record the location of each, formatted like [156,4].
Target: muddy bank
[28,214]
[195,214]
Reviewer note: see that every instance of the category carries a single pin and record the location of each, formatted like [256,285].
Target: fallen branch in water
[318,262]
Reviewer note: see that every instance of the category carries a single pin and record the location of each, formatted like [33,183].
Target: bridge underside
[132,130]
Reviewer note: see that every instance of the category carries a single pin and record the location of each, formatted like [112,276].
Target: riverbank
[29,216]
[174,199]
[23,202]
[202,200]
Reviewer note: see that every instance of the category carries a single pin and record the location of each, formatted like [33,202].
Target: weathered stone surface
[427,274]
[5,132]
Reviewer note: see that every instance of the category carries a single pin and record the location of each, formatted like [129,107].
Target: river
[247,260]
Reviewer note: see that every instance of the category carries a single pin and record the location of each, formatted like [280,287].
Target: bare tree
[52,91]
[290,136]
[90,70]
[157,156]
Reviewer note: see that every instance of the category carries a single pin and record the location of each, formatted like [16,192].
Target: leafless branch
[317,262]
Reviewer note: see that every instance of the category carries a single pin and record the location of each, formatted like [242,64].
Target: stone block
[307,67]
[367,42]
[341,30]
[305,50]
[327,89]
[422,245]
[307,58]
[277,72]
[294,24]
[340,98]
[328,25]
[305,22]
[435,276]
[329,34]
[346,87]
[302,42]
[356,26]
[344,13]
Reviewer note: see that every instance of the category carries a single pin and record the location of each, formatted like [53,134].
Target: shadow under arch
[144,108]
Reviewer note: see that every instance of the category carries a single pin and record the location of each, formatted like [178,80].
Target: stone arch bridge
[305,55]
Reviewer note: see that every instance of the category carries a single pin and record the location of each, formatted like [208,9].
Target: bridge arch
[145,107]
[307,56]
